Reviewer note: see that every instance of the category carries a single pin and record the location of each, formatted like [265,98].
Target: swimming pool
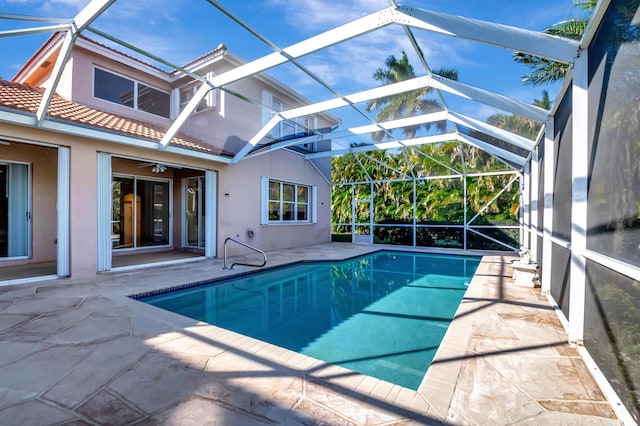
[383,314]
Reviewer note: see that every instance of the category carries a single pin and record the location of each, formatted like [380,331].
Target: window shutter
[267,102]
[314,204]
[264,203]
[212,95]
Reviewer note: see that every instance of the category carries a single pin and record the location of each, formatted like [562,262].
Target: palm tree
[518,124]
[545,70]
[408,104]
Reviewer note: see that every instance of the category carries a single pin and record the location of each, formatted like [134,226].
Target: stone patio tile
[104,362]
[588,408]
[264,389]
[94,328]
[483,396]
[104,408]
[192,345]
[490,347]
[159,380]
[12,351]
[309,413]
[564,419]
[41,305]
[34,413]
[8,321]
[35,373]
[356,407]
[51,323]
[200,412]
[548,378]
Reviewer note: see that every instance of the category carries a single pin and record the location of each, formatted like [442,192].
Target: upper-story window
[125,91]
[298,126]
[188,92]
[209,101]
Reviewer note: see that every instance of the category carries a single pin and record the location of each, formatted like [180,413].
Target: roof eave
[22,118]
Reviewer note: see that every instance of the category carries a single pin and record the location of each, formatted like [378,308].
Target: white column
[525,207]
[580,171]
[547,219]
[535,204]
[104,211]
[63,212]
[211,231]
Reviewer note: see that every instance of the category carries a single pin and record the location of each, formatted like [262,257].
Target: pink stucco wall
[236,213]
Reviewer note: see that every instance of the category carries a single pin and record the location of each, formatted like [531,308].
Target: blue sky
[180,30]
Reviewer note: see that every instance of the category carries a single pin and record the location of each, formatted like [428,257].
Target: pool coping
[434,395]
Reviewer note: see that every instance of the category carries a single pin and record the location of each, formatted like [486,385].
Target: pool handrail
[264,255]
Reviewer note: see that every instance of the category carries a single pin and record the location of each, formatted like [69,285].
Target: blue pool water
[383,315]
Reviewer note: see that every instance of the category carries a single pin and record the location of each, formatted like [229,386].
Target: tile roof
[27,98]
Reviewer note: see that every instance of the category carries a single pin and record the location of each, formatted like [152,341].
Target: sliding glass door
[140,212]
[15,210]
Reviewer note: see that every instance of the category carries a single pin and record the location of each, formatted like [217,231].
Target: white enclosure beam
[401,122]
[534,204]
[437,82]
[80,22]
[16,17]
[489,98]
[305,47]
[504,36]
[360,130]
[256,138]
[580,176]
[504,135]
[525,207]
[546,204]
[493,150]
[36,30]
[56,73]
[385,145]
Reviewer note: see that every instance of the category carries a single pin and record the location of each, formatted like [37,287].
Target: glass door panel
[140,213]
[154,205]
[4,211]
[123,227]
[194,212]
[14,210]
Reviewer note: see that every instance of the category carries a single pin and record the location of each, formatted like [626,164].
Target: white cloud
[323,14]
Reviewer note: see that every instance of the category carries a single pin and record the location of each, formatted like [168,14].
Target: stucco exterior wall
[240,210]
[236,213]
[77,84]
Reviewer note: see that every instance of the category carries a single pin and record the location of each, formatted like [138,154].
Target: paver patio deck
[80,352]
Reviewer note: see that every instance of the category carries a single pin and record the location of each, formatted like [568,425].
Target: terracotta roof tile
[27,98]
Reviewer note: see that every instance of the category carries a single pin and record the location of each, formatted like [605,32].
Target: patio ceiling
[408,18]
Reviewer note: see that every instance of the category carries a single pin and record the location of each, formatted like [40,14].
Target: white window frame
[209,101]
[170,209]
[272,105]
[136,84]
[311,203]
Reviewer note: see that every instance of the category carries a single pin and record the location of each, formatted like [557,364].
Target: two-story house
[89,188]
